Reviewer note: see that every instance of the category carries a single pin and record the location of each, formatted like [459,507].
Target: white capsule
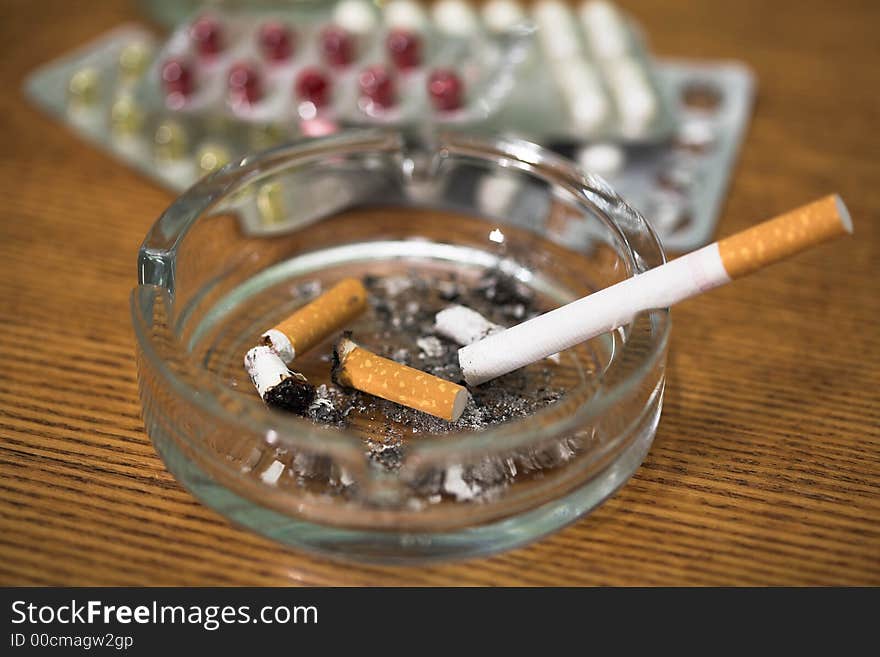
[633,95]
[556,32]
[455,17]
[604,159]
[495,192]
[355,16]
[582,89]
[605,28]
[501,15]
[406,15]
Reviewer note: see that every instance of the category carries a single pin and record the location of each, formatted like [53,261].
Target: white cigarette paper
[593,315]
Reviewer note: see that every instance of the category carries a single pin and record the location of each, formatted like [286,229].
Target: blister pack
[225,84]
[680,185]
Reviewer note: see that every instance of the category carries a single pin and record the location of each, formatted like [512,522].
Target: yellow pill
[211,157]
[170,141]
[133,60]
[84,87]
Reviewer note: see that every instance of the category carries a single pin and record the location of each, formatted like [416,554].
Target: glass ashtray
[245,247]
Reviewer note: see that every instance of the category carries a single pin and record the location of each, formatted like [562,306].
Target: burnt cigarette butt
[358,368]
[463,325]
[324,316]
[787,234]
[278,386]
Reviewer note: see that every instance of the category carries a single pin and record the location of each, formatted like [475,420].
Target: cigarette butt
[278,386]
[358,368]
[309,325]
[784,236]
[463,325]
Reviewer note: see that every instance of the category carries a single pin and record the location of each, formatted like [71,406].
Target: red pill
[276,41]
[445,90]
[177,78]
[337,46]
[377,84]
[404,49]
[207,35]
[313,86]
[244,84]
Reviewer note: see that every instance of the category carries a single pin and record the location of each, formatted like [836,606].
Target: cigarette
[309,325]
[663,286]
[278,386]
[358,368]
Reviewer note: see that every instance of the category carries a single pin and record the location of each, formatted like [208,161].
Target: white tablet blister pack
[577,78]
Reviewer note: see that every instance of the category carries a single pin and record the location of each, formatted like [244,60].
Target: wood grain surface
[766,466]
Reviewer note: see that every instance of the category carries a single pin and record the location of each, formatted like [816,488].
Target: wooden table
[766,467]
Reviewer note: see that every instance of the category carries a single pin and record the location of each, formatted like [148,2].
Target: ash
[402,312]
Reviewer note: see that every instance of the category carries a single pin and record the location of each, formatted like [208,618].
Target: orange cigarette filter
[309,325]
[359,368]
[784,236]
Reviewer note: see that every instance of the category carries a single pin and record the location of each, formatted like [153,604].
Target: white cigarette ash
[272,474]
[394,285]
[454,484]
[345,478]
[430,346]
[463,325]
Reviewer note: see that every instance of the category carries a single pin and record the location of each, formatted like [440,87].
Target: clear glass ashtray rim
[156,262]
